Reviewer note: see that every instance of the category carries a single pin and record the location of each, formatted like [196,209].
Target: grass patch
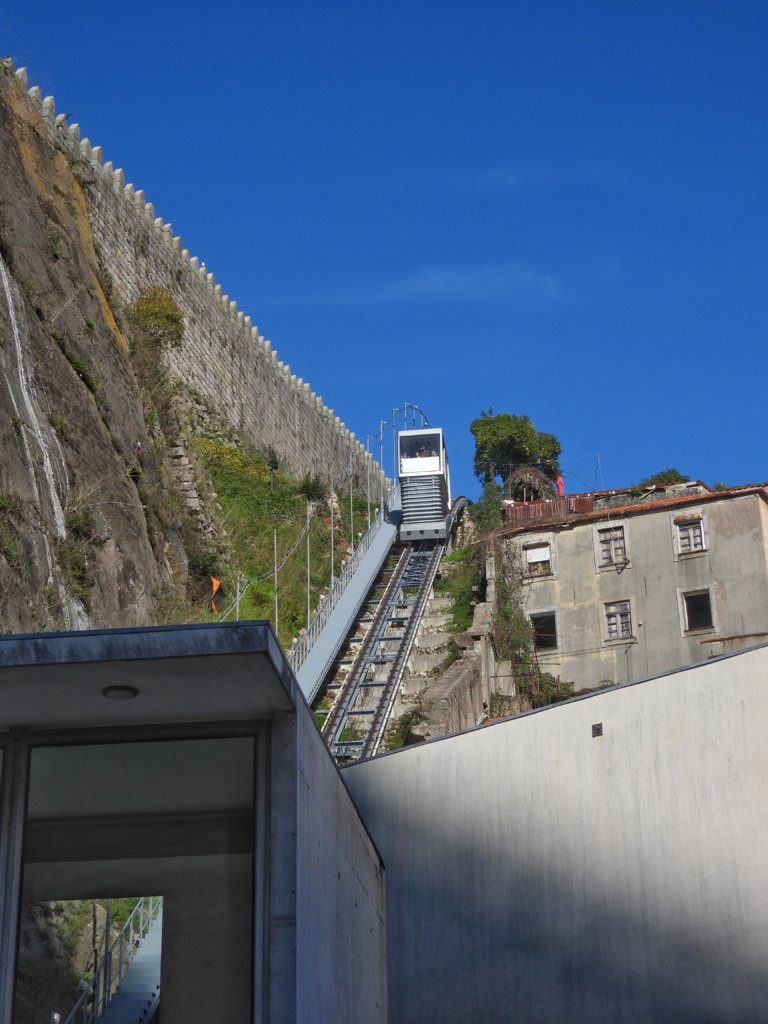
[73,563]
[10,504]
[453,654]
[81,524]
[402,730]
[253,511]
[157,319]
[11,507]
[64,431]
[459,580]
[82,370]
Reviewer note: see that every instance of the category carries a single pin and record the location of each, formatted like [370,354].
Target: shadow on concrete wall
[535,874]
[526,948]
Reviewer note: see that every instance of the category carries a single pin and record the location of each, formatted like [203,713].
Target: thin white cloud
[498,177]
[495,282]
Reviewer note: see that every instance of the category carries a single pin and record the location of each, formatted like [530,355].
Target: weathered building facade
[638,587]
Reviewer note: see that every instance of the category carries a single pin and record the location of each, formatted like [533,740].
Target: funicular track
[356,724]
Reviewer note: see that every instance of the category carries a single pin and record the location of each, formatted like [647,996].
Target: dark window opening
[698,611]
[544,631]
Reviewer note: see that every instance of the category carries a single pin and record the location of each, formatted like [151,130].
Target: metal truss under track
[356,724]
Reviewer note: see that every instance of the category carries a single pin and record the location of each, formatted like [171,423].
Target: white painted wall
[537,874]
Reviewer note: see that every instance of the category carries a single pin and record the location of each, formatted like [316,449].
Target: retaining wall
[605,859]
[223,356]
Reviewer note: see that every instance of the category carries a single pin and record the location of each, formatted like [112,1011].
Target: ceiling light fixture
[120,692]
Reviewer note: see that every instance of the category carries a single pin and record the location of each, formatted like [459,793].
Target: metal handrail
[298,655]
[99,990]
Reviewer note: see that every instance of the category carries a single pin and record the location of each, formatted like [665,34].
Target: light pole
[382,424]
[394,445]
[368,476]
[309,506]
[332,502]
[351,511]
[275,548]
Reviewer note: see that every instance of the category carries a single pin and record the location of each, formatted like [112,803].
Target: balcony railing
[552,508]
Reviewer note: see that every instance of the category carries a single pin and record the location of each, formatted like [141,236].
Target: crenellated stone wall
[223,356]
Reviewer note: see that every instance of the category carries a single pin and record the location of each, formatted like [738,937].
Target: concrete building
[184,762]
[597,860]
[619,587]
[600,860]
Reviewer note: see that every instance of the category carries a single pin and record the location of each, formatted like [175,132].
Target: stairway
[137,996]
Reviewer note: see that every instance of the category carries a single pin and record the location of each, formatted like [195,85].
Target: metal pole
[237,598]
[308,581]
[332,503]
[351,512]
[368,477]
[381,463]
[108,954]
[94,950]
[275,540]
[394,443]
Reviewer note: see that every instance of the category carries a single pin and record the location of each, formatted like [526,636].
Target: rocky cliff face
[74,544]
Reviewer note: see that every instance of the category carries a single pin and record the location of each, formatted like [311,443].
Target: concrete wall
[538,874]
[223,356]
[734,564]
[341,958]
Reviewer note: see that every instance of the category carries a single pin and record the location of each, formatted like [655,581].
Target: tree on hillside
[664,478]
[510,447]
[487,510]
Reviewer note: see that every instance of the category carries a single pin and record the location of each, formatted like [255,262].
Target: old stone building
[621,585]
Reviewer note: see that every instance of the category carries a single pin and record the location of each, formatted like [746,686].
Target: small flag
[217,594]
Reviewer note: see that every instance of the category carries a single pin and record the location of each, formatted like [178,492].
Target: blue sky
[552,208]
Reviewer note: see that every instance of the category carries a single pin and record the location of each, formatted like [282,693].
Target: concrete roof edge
[562,703]
[139,643]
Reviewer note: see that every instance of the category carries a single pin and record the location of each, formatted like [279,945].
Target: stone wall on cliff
[223,356]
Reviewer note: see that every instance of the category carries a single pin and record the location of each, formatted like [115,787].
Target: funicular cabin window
[618,620]
[537,560]
[698,611]
[544,631]
[613,550]
[422,445]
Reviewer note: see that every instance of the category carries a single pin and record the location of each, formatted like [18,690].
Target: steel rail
[378,725]
[337,718]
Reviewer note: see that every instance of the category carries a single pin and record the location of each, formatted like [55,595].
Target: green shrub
[81,369]
[81,524]
[73,564]
[63,430]
[11,504]
[312,487]
[157,319]
[402,730]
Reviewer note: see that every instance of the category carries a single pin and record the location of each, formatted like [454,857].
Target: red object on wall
[560,484]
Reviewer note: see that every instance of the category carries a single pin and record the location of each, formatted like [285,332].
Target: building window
[537,560]
[698,611]
[544,631]
[690,535]
[613,550]
[618,620]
